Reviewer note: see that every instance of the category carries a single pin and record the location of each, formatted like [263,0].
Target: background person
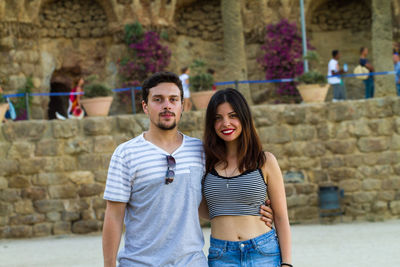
[75,110]
[396,59]
[339,90]
[184,77]
[239,178]
[369,82]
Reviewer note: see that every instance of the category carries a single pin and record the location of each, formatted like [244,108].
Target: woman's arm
[203,210]
[276,193]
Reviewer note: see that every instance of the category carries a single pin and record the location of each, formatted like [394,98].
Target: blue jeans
[260,251]
[369,87]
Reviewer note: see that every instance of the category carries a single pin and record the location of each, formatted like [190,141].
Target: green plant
[200,79]
[312,77]
[20,104]
[96,90]
[2,99]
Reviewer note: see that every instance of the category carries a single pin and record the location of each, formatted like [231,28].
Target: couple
[156,182]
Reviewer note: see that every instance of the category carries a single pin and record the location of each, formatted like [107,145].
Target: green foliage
[2,99]
[96,90]
[312,77]
[133,32]
[200,79]
[20,103]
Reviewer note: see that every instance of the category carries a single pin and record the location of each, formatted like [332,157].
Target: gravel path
[348,244]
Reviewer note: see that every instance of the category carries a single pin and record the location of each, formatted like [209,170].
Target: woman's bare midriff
[237,228]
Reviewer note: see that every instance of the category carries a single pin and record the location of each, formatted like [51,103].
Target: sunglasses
[171,163]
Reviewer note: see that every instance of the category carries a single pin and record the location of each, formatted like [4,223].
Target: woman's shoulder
[270,160]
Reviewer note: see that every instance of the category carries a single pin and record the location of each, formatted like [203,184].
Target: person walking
[184,77]
[339,90]
[396,59]
[154,187]
[240,176]
[369,82]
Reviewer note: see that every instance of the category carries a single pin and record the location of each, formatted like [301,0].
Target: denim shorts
[260,251]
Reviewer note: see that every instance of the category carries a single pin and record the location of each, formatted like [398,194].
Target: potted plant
[3,107]
[200,82]
[97,99]
[313,85]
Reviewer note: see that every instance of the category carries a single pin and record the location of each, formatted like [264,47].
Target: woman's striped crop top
[238,195]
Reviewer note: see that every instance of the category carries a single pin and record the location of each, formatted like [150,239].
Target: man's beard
[162,126]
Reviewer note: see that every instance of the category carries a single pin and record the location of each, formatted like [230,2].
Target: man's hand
[267,214]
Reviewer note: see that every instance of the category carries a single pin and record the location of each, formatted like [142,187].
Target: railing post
[133,100]
[236,84]
[28,113]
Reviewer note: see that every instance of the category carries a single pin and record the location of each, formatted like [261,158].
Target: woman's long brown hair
[249,150]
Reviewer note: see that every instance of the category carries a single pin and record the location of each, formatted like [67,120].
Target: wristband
[286,264]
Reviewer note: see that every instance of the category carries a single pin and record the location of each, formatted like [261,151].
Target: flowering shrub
[282,56]
[145,56]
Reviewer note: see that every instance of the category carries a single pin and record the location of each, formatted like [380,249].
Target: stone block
[3,183]
[373,144]
[381,127]
[386,195]
[61,228]
[100,214]
[306,188]
[338,174]
[94,161]
[63,191]
[31,166]
[318,176]
[353,160]
[332,162]
[85,226]
[306,213]
[363,197]
[358,128]
[396,106]
[81,177]
[10,195]
[48,205]
[34,193]
[98,125]
[53,216]
[395,207]
[350,185]
[78,146]
[314,149]
[313,199]
[70,216]
[87,190]
[381,171]
[25,130]
[23,206]
[6,209]
[379,108]
[21,150]
[379,207]
[104,144]
[20,231]
[275,135]
[296,200]
[299,163]
[19,181]
[396,169]
[294,149]
[294,114]
[42,229]
[59,164]
[88,215]
[52,178]
[8,167]
[355,210]
[143,121]
[397,124]
[100,203]
[343,111]
[316,114]
[77,204]
[100,176]
[341,146]
[49,147]
[303,133]
[395,142]
[4,148]
[371,184]
[391,183]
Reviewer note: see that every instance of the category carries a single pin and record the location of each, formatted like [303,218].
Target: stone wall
[52,174]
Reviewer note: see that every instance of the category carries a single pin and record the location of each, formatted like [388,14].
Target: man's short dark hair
[156,79]
[362,49]
[335,53]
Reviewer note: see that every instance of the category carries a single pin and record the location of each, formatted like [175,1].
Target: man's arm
[266,214]
[112,230]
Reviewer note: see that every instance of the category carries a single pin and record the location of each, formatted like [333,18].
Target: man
[339,91]
[396,60]
[368,83]
[154,181]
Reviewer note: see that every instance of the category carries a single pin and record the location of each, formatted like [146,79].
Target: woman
[239,178]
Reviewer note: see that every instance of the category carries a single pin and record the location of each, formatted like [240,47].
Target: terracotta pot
[200,99]
[3,110]
[97,106]
[313,92]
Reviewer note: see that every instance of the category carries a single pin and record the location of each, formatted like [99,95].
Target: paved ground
[339,245]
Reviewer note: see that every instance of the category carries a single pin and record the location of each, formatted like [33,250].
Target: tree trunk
[382,38]
[234,45]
